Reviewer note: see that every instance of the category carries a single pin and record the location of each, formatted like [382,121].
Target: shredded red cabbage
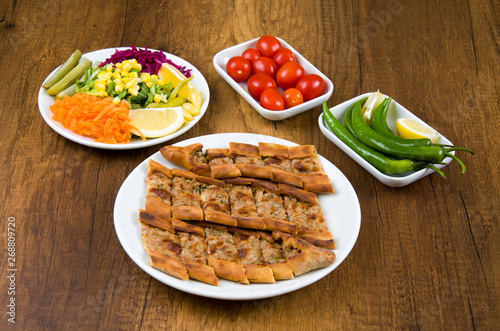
[151,61]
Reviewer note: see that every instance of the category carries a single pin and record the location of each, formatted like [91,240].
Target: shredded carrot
[95,117]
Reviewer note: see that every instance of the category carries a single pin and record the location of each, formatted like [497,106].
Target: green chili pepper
[373,139]
[378,160]
[176,102]
[379,124]
[178,88]
[348,115]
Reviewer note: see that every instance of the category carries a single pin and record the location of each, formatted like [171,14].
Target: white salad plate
[341,211]
[221,58]
[45,100]
[395,111]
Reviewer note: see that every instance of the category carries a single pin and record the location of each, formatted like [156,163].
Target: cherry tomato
[251,54]
[283,56]
[256,84]
[311,86]
[264,65]
[272,100]
[292,97]
[289,74]
[268,45]
[238,68]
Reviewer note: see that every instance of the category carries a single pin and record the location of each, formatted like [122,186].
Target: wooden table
[427,255]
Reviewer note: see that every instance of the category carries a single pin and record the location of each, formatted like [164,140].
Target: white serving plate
[395,111]
[45,100]
[221,58]
[341,210]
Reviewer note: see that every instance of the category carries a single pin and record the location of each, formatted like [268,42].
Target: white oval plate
[45,100]
[341,210]
[221,58]
[395,111]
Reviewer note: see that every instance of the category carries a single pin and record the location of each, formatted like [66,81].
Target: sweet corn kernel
[116,100]
[133,91]
[119,65]
[117,81]
[119,88]
[133,74]
[109,68]
[150,84]
[132,61]
[125,79]
[147,78]
[157,98]
[101,86]
[154,77]
[116,75]
[102,93]
[127,66]
[137,66]
[161,82]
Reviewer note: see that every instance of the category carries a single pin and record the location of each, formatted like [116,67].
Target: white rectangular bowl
[395,111]
[221,58]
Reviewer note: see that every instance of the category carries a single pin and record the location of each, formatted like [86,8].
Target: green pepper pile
[388,153]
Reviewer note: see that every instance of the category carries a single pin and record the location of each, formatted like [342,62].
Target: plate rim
[218,292]
[201,83]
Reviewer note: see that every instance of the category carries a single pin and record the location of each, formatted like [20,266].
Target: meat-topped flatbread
[292,165]
[239,202]
[247,229]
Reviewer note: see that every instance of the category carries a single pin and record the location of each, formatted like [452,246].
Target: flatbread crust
[167,264]
[201,272]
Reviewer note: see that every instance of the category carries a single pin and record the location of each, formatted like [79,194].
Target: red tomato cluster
[269,66]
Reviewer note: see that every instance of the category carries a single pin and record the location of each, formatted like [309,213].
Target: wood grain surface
[427,256]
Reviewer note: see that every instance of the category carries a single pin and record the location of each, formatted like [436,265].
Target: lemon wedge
[373,101]
[156,122]
[412,129]
[169,73]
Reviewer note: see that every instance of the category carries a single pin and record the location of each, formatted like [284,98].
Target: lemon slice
[412,129]
[169,73]
[156,122]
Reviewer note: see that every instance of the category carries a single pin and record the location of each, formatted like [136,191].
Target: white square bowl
[395,111]
[221,58]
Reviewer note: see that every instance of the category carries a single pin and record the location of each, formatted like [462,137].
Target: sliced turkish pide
[298,166]
[243,207]
[273,255]
[194,257]
[310,222]
[223,255]
[190,157]
[159,182]
[186,200]
[163,249]
[251,257]
[302,256]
